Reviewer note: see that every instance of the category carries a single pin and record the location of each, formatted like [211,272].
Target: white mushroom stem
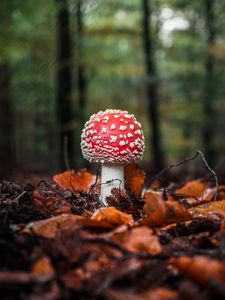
[112,176]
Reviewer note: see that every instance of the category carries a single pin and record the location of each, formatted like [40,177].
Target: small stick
[198,153]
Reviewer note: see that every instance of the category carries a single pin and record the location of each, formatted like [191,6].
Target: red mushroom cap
[112,136]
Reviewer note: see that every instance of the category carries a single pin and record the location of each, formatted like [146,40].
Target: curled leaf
[134,178]
[160,212]
[70,180]
[112,216]
[192,188]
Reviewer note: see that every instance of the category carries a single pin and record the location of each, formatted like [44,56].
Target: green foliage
[114,65]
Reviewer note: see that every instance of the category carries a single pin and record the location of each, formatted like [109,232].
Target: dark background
[63,60]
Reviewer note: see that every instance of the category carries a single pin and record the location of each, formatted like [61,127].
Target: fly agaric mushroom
[112,138]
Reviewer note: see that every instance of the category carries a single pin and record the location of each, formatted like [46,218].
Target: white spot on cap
[98,119]
[104,130]
[122,143]
[131,126]
[138,132]
[127,116]
[131,145]
[122,127]
[113,138]
[123,152]
[116,116]
[130,135]
[113,126]
[105,119]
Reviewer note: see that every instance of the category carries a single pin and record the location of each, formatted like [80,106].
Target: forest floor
[58,242]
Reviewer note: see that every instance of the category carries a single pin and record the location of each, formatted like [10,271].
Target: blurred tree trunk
[81,81]
[80,70]
[64,86]
[208,95]
[6,122]
[152,88]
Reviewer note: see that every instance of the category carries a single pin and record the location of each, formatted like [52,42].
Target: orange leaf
[192,188]
[50,227]
[112,215]
[200,268]
[139,239]
[160,212]
[134,178]
[210,210]
[81,180]
[43,267]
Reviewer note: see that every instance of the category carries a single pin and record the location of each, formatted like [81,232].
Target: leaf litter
[158,243]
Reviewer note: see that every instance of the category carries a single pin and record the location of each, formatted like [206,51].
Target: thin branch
[96,179]
[198,153]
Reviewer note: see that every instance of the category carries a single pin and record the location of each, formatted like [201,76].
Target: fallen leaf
[197,193]
[43,267]
[210,210]
[70,180]
[112,215]
[200,268]
[48,228]
[192,188]
[139,239]
[160,212]
[134,178]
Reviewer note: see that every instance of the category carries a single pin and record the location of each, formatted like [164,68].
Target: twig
[96,180]
[44,182]
[198,153]
[211,171]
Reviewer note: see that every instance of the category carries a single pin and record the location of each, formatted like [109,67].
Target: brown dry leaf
[43,267]
[192,188]
[197,193]
[210,210]
[139,239]
[154,294]
[48,228]
[201,268]
[53,204]
[81,180]
[112,215]
[134,178]
[160,212]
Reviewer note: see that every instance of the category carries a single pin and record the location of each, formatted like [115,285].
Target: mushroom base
[112,176]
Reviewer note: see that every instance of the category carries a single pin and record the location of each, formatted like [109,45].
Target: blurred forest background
[63,60]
